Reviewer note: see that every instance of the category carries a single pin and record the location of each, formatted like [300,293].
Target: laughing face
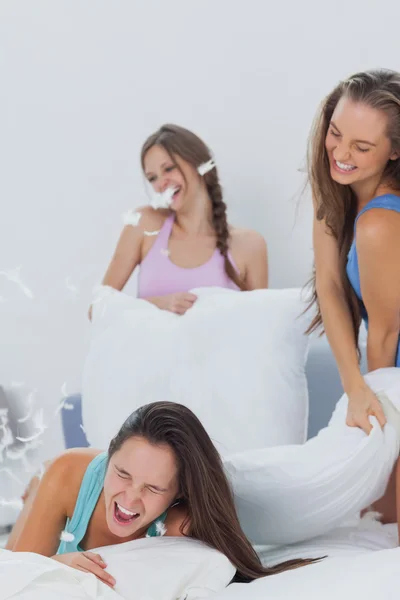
[164,173]
[357,144]
[140,484]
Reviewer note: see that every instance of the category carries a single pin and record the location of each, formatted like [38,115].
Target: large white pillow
[167,568]
[236,359]
[162,568]
[292,493]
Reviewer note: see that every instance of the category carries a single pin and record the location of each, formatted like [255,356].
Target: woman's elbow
[327,286]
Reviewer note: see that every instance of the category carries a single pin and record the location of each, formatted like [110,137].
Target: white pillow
[162,568]
[236,359]
[292,493]
[167,568]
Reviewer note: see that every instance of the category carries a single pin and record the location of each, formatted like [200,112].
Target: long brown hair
[203,487]
[336,203]
[178,141]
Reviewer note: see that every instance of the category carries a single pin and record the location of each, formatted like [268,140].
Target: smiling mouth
[123,516]
[176,192]
[343,167]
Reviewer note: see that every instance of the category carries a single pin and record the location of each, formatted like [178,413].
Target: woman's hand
[88,562]
[363,403]
[176,303]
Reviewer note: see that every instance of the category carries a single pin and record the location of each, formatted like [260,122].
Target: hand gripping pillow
[292,493]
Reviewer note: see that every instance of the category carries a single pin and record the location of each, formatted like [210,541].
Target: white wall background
[83,83]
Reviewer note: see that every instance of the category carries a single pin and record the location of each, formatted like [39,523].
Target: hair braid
[220,223]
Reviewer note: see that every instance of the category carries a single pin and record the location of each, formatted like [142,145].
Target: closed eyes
[337,135]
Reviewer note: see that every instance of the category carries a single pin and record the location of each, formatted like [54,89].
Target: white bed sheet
[368,576]
[364,536]
[163,568]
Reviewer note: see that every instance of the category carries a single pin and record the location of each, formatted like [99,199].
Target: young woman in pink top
[189,244]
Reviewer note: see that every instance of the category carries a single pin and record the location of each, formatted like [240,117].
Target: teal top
[89,493]
[389,202]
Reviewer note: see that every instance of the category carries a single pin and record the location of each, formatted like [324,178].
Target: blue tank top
[89,493]
[390,202]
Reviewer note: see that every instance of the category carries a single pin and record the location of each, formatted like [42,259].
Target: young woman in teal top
[162,475]
[354,170]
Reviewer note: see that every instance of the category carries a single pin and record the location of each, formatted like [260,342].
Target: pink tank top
[159,276]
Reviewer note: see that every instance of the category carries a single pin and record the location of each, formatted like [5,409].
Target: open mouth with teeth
[343,167]
[123,516]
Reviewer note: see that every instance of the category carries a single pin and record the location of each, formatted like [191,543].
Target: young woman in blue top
[162,475]
[354,170]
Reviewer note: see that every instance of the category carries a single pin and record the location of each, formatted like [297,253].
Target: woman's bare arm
[130,249]
[132,245]
[257,266]
[51,504]
[249,251]
[339,329]
[125,258]
[334,308]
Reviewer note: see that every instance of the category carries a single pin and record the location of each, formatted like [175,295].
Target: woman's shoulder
[377,223]
[67,470]
[247,240]
[74,458]
[147,218]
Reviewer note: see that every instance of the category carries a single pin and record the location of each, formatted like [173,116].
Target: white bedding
[370,576]
[236,359]
[28,576]
[163,568]
[359,537]
[355,572]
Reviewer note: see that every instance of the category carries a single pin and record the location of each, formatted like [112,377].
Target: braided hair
[181,142]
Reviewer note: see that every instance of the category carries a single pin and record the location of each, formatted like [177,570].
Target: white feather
[71,287]
[16,504]
[206,167]
[14,276]
[160,528]
[162,200]
[66,536]
[131,218]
